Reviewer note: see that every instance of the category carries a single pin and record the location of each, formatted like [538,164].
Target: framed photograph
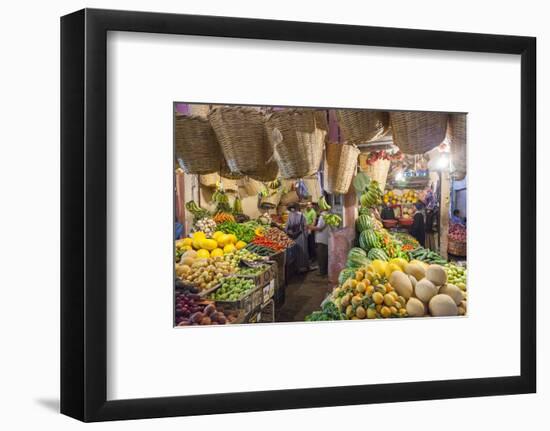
[261,215]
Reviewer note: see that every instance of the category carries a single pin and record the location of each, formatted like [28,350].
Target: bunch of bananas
[221,199]
[372,196]
[198,212]
[332,220]
[323,205]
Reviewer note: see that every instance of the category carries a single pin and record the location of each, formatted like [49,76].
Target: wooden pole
[444,213]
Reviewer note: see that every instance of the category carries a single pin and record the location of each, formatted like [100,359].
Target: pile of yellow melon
[217,246]
[399,289]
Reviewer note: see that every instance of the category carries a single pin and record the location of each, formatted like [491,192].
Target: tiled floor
[304,294]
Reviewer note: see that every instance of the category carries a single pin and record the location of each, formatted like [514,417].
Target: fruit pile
[457,232]
[203,273]
[368,295]
[395,289]
[216,246]
[332,220]
[456,275]
[255,270]
[394,197]
[192,310]
[232,289]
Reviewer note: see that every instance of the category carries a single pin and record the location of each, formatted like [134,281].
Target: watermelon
[364,222]
[377,253]
[356,258]
[345,274]
[368,239]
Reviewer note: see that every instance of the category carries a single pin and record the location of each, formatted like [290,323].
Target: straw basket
[297,137]
[456,135]
[340,167]
[418,132]
[272,200]
[362,126]
[289,198]
[210,180]
[457,248]
[196,145]
[241,134]
[378,171]
[251,186]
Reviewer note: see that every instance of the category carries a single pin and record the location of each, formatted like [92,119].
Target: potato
[413,280]
[453,291]
[461,311]
[436,274]
[415,308]
[402,284]
[417,271]
[425,290]
[464,304]
[443,305]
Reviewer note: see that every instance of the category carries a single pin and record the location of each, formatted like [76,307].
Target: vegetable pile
[232,289]
[426,255]
[278,236]
[243,231]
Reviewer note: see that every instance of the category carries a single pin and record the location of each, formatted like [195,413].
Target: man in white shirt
[321,243]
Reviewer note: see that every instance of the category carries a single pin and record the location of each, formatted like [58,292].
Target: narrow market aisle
[304,294]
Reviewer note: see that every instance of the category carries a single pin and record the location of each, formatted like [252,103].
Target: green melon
[368,239]
[364,222]
[345,274]
[377,253]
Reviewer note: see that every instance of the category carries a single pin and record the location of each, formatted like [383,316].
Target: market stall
[379,191]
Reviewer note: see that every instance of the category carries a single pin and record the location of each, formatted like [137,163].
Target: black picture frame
[84,214]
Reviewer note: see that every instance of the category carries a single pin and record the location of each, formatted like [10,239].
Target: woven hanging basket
[340,167]
[272,200]
[297,137]
[456,135]
[418,132]
[241,134]
[251,186]
[196,145]
[359,126]
[378,171]
[211,180]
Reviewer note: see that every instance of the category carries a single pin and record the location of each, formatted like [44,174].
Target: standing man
[418,228]
[321,242]
[311,218]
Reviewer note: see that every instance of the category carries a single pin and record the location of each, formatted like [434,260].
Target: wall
[29,176]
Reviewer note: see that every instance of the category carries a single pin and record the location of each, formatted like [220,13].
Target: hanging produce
[372,196]
[196,211]
[323,205]
[220,198]
[237,206]
[332,220]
